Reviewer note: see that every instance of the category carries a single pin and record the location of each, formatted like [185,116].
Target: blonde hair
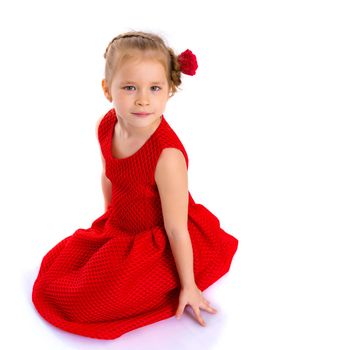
[131,44]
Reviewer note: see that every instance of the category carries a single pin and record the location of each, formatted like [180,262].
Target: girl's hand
[193,296]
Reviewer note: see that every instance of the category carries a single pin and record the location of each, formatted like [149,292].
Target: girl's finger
[199,317]
[210,309]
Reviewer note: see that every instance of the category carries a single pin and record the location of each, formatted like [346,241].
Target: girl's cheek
[128,93]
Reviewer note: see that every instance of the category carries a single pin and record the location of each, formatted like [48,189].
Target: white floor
[185,333]
[289,295]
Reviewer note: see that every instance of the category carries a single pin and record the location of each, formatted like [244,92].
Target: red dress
[120,274]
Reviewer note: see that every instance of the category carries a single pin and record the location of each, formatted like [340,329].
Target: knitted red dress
[120,274]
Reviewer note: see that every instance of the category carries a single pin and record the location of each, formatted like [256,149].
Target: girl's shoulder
[170,139]
[102,123]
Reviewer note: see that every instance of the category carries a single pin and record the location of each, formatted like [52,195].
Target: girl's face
[139,86]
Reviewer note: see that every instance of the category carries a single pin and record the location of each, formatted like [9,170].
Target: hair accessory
[188,62]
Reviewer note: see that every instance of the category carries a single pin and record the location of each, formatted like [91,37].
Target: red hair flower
[188,62]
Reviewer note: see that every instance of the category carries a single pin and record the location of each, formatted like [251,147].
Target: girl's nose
[142,99]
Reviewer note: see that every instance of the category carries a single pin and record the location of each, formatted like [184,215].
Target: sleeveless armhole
[181,149]
[169,139]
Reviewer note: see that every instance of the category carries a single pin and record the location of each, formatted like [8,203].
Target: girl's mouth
[141,114]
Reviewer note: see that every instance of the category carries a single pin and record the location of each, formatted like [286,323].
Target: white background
[265,122]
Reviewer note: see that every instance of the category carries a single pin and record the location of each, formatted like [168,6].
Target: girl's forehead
[144,68]
[140,62]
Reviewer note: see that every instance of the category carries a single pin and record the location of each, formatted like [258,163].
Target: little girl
[154,250]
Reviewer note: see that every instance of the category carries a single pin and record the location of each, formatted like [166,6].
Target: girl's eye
[127,87]
[157,87]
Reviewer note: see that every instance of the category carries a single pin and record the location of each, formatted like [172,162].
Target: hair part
[136,44]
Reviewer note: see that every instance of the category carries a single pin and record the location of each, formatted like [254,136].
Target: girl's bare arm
[171,179]
[172,183]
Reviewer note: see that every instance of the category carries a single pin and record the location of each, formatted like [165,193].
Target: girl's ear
[106,90]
